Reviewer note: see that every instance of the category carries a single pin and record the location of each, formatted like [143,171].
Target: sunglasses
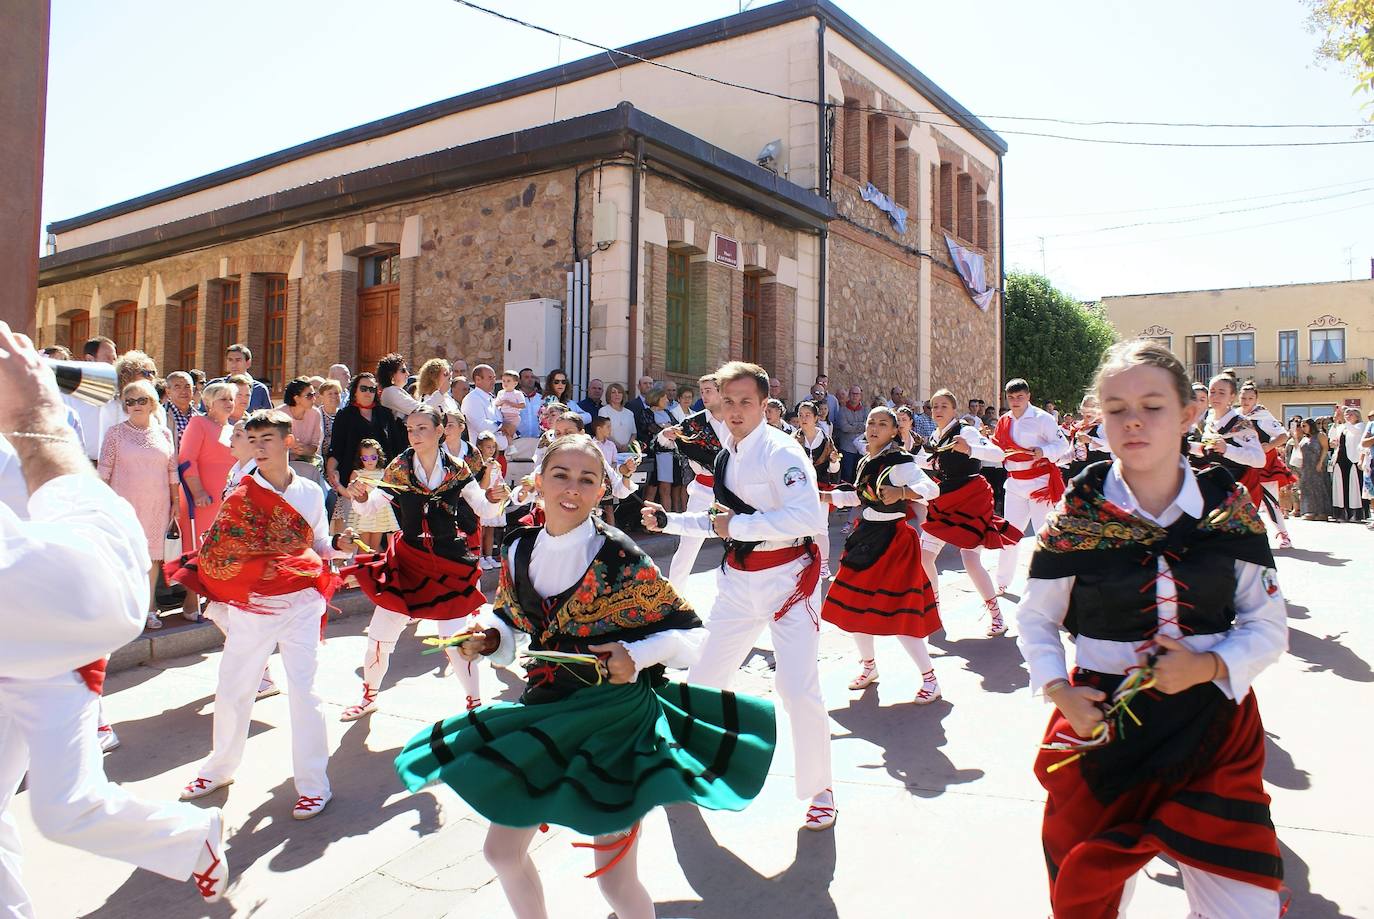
[312,395]
[136,400]
[369,457]
[556,382]
[367,389]
[147,374]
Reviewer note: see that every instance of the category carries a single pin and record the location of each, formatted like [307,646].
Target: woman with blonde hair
[138,462]
[432,387]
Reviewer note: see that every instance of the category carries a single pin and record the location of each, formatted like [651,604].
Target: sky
[146,93]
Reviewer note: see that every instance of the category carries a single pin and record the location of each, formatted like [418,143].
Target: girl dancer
[599,737]
[881,587]
[427,570]
[963,512]
[1265,482]
[825,458]
[1165,579]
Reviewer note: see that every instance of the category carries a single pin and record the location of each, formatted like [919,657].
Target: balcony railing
[1354,372]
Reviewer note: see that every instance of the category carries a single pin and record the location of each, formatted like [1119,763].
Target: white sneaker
[308,806]
[211,873]
[200,786]
[108,739]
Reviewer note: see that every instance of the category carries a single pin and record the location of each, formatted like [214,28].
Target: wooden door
[379,310]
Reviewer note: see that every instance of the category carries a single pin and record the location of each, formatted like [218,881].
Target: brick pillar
[854,152]
[405,313]
[655,309]
[253,319]
[778,328]
[340,315]
[208,326]
[880,152]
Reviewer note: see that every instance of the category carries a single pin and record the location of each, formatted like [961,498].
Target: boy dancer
[1032,443]
[768,511]
[265,556]
[698,438]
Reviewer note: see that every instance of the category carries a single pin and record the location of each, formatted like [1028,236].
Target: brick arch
[67,305]
[367,239]
[257,264]
[112,295]
[179,283]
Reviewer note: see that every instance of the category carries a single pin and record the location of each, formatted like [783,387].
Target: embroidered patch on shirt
[1270,579]
[793,476]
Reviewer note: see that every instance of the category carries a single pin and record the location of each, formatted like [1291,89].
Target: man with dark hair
[238,358]
[99,349]
[276,595]
[1033,444]
[57,353]
[768,511]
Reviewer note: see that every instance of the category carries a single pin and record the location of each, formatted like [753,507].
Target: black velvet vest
[1113,557]
[952,468]
[1236,469]
[866,477]
[444,514]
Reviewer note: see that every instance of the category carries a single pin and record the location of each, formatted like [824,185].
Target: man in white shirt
[768,510]
[479,409]
[99,351]
[60,525]
[1033,443]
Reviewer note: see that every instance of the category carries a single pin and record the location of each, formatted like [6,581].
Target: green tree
[1347,31]
[1053,341]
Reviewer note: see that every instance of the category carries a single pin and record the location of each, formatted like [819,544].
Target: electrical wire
[1178,207]
[914,116]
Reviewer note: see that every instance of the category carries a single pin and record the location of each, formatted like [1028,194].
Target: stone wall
[872,314]
[478,249]
[963,345]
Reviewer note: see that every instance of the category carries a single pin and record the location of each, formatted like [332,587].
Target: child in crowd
[373,519]
[486,449]
[510,402]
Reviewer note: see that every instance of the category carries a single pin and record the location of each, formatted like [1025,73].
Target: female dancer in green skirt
[600,736]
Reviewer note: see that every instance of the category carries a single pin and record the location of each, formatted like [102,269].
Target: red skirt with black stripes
[1206,807]
[891,596]
[408,580]
[965,518]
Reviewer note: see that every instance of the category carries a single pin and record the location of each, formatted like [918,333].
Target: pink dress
[205,453]
[139,464]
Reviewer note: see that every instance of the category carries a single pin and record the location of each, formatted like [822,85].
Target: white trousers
[745,604]
[47,728]
[699,498]
[1211,896]
[387,627]
[293,627]
[1027,515]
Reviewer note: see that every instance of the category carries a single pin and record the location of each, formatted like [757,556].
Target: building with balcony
[1306,346]
[840,218]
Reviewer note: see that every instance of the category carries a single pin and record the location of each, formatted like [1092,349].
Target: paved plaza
[939,811]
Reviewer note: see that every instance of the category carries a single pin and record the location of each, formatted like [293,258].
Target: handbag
[171,542]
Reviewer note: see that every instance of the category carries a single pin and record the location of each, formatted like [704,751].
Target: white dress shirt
[1035,428]
[1256,639]
[980,448]
[904,474]
[769,471]
[82,536]
[399,401]
[559,562]
[1266,422]
[482,415]
[1242,446]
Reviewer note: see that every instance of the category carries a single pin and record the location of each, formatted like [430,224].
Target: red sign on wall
[727,251]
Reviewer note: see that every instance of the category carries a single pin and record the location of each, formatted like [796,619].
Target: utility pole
[1043,270]
[23,98]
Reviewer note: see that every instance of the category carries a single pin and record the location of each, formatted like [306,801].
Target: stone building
[760,224]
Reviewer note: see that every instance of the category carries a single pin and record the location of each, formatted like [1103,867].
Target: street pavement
[939,810]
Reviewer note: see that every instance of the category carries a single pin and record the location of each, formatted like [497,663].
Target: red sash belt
[1053,489]
[93,675]
[709,481]
[807,580]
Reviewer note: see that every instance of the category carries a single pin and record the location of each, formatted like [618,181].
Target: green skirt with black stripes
[601,758]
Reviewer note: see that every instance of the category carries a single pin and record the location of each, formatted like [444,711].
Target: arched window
[753,297]
[78,333]
[275,313]
[190,318]
[379,306]
[126,326]
[677,343]
[229,315]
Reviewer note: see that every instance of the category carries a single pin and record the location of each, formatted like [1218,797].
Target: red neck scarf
[1053,489]
[255,529]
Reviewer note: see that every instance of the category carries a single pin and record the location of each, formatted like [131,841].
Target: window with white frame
[1238,349]
[1328,346]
